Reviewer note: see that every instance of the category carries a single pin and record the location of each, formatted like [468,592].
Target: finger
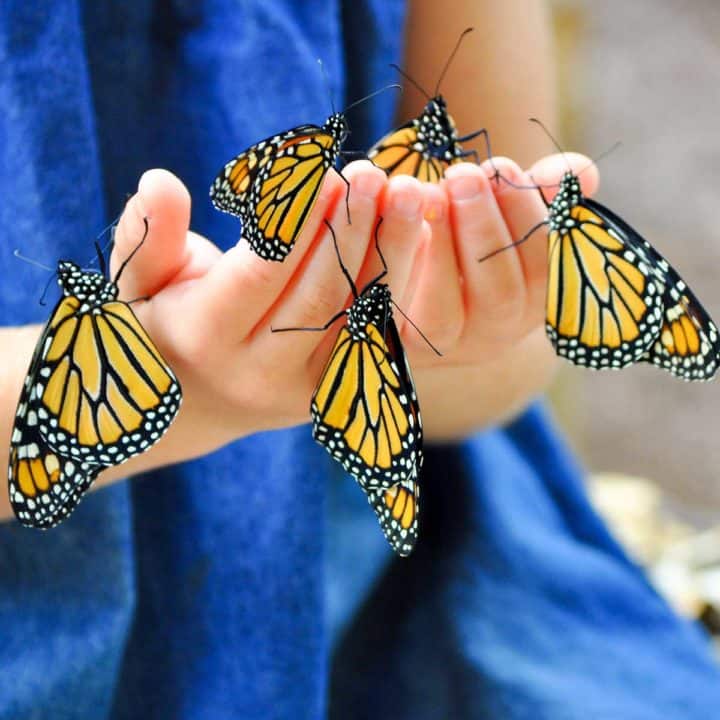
[320,290]
[524,209]
[493,292]
[165,202]
[243,286]
[524,212]
[398,237]
[549,171]
[437,305]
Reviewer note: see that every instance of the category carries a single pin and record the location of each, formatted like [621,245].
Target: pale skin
[211,313]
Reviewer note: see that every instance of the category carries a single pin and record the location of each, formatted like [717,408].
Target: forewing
[104,392]
[273,186]
[604,301]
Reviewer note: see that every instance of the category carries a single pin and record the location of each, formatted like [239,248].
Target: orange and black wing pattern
[688,343]
[398,509]
[402,153]
[103,391]
[44,487]
[424,147]
[614,300]
[97,393]
[272,186]
[604,304]
[364,409]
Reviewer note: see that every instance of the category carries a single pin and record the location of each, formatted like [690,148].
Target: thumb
[165,202]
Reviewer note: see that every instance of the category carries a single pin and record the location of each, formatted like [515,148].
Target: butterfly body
[364,409]
[424,147]
[365,413]
[97,393]
[273,185]
[437,133]
[613,300]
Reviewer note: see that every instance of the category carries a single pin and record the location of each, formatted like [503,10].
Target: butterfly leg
[474,153]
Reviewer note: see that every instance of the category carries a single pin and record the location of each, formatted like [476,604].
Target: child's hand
[211,313]
[487,317]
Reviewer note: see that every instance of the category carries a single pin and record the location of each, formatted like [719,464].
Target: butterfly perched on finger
[97,393]
[428,144]
[613,299]
[365,411]
[273,185]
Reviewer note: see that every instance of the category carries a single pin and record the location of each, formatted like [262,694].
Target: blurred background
[647,73]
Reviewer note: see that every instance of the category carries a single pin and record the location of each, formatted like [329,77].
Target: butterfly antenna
[410,80]
[111,229]
[342,265]
[596,160]
[132,254]
[46,288]
[26,259]
[420,332]
[450,59]
[101,259]
[327,84]
[523,239]
[372,95]
[553,140]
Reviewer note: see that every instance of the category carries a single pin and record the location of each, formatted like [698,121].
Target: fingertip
[365,178]
[464,169]
[501,166]
[404,198]
[549,170]
[162,201]
[160,189]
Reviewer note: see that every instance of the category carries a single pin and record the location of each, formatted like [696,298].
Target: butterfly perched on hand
[273,185]
[612,299]
[365,411]
[97,393]
[429,143]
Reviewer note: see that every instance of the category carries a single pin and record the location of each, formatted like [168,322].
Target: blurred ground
[647,73]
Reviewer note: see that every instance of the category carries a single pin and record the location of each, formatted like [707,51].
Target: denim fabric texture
[254,583]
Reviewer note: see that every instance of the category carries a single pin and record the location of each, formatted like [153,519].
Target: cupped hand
[211,313]
[486,317]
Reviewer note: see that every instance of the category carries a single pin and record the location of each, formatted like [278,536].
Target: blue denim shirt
[254,583]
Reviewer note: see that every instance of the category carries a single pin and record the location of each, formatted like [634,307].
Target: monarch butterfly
[97,393]
[429,143]
[272,186]
[613,300]
[365,411]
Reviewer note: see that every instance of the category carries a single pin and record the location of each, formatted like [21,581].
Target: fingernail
[406,202]
[463,188]
[368,184]
[434,211]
